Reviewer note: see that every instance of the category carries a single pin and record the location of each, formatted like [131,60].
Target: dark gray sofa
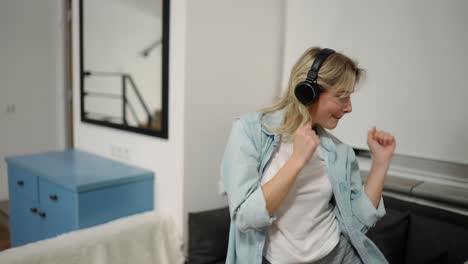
[408,233]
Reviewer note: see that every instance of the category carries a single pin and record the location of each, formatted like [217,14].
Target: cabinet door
[60,208]
[25,223]
[22,184]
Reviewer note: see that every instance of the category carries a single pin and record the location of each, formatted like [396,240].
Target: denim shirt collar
[276,119]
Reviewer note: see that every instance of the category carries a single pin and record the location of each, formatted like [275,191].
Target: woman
[295,192]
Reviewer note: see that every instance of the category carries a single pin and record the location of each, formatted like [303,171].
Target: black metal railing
[126,78]
[146,52]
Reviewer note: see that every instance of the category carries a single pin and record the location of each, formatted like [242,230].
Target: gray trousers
[343,253]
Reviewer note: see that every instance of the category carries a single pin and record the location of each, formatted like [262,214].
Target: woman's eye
[344,98]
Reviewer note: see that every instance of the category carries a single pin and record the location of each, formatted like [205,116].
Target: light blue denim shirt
[249,150]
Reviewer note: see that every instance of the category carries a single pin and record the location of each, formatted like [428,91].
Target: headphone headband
[314,69]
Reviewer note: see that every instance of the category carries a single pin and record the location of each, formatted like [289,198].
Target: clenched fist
[305,143]
[381,144]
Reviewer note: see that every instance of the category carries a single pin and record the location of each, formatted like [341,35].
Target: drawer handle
[42,215]
[53,197]
[33,210]
[20,183]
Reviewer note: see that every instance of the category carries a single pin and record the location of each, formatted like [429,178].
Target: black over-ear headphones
[308,91]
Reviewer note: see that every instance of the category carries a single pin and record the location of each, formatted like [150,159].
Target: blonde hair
[338,73]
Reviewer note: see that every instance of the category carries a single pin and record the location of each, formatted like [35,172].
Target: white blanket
[143,238]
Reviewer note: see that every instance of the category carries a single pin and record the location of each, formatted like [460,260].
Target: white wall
[233,66]
[32,78]
[164,157]
[415,56]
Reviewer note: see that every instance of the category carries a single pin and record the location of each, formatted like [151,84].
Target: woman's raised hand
[382,145]
[305,143]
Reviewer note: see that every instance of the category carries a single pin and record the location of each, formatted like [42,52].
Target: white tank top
[306,229]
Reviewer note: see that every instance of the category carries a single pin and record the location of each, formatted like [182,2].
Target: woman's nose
[348,108]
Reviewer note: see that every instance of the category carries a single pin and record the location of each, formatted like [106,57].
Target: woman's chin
[332,124]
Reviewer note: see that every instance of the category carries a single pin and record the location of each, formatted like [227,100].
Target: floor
[4,238]
[4,229]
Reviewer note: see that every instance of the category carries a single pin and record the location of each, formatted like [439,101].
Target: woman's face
[330,108]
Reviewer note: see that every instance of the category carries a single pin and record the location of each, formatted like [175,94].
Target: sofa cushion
[390,235]
[428,241]
[208,236]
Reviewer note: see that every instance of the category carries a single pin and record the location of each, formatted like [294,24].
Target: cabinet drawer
[55,197]
[24,222]
[60,208]
[22,184]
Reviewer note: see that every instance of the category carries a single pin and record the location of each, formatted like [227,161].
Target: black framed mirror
[124,60]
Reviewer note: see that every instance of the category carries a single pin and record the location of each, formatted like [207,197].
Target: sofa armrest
[390,235]
[208,236]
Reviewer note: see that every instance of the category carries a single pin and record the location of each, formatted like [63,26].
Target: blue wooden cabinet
[55,192]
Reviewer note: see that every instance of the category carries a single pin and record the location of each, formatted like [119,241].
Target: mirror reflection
[124,55]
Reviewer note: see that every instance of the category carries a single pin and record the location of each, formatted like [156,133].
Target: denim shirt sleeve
[362,207]
[241,180]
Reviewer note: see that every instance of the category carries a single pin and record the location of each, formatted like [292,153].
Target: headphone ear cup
[306,92]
